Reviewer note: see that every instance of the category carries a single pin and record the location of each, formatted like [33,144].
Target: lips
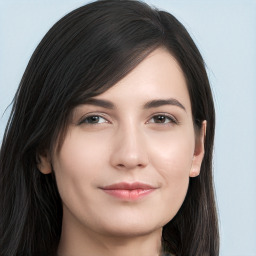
[129,191]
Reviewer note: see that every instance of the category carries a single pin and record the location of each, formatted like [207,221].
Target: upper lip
[128,186]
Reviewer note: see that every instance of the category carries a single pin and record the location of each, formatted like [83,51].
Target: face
[125,163]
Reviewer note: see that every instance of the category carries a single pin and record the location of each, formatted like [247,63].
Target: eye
[162,119]
[93,119]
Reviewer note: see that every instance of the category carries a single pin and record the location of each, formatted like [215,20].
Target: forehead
[158,76]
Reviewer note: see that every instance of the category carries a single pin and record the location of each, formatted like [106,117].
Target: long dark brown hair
[81,56]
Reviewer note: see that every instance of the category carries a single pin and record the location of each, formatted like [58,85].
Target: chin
[130,227]
[131,231]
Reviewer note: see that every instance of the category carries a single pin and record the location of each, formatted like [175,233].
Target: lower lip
[128,194]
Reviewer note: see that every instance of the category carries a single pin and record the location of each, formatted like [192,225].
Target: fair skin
[138,131]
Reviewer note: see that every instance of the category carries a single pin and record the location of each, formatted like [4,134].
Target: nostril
[129,166]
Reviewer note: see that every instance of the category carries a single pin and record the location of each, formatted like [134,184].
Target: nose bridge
[130,148]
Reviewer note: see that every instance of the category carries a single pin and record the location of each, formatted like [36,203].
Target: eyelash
[171,119]
[86,118]
[164,116]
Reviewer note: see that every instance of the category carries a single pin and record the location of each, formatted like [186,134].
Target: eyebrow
[162,102]
[151,104]
[100,103]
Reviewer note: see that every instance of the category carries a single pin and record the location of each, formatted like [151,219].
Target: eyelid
[90,114]
[173,120]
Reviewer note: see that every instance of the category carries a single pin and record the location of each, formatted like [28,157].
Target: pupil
[93,119]
[160,119]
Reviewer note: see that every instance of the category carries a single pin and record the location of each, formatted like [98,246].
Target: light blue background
[225,32]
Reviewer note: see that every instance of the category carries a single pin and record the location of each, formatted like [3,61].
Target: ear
[199,152]
[44,163]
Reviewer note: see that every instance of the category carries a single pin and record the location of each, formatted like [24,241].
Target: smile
[129,191]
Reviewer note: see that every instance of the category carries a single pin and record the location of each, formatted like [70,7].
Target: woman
[111,137]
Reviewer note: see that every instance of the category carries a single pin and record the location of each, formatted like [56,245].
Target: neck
[79,241]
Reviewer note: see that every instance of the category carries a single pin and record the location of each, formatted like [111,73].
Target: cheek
[172,154]
[172,159]
[77,166]
[80,155]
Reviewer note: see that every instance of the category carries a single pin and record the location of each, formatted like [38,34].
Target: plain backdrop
[225,32]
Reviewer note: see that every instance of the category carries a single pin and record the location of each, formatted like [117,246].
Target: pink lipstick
[128,191]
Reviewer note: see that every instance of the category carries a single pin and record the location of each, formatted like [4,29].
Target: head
[93,54]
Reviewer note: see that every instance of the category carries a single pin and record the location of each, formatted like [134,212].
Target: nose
[129,149]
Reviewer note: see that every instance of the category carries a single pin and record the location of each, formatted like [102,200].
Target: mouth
[129,191]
